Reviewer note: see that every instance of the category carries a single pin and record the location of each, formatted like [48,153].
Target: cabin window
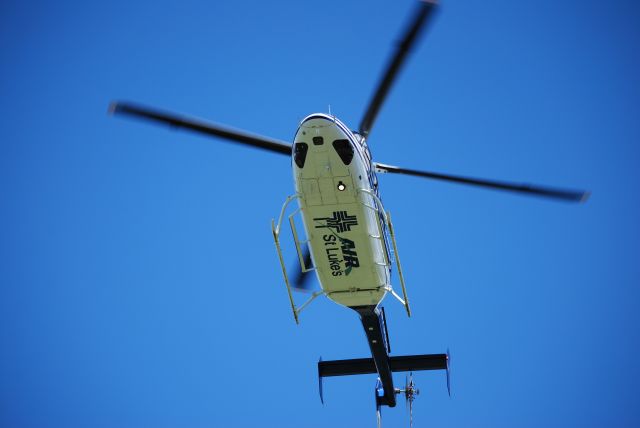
[300,153]
[344,149]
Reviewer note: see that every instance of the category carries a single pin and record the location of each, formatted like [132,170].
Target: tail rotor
[410,391]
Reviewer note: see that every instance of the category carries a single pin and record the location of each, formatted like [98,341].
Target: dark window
[318,141]
[344,149]
[300,153]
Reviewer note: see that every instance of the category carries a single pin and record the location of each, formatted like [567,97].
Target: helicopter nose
[317,125]
[321,130]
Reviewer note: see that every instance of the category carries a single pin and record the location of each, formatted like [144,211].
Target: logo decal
[341,252]
[349,254]
[340,222]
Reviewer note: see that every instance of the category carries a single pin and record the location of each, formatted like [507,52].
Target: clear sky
[139,284]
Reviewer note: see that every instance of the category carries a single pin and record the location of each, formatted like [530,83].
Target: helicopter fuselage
[338,195]
[342,214]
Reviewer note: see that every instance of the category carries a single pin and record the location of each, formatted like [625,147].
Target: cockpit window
[300,153]
[344,149]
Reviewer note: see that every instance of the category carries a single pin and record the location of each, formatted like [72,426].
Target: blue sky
[139,285]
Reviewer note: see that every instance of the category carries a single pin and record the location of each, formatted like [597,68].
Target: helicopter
[349,239]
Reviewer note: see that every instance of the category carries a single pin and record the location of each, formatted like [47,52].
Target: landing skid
[276,229]
[379,208]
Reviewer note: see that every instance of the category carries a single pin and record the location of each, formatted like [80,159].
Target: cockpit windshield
[345,150]
[300,153]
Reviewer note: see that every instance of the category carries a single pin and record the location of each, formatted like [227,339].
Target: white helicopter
[349,238]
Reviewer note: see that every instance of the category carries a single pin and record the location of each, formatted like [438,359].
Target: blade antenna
[412,33]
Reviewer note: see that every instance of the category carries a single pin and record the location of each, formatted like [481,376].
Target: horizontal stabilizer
[397,364]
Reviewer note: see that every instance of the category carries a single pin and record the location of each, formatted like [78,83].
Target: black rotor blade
[423,12]
[529,189]
[302,280]
[198,125]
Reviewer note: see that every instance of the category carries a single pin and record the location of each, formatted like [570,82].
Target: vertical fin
[320,382]
[448,372]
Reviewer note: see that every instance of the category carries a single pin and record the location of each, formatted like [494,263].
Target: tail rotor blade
[527,189]
[410,413]
[200,126]
[411,34]
[406,389]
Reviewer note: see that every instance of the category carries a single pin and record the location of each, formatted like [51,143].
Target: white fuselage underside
[346,235]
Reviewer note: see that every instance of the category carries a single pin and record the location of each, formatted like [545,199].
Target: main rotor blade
[198,125]
[534,190]
[411,34]
[302,280]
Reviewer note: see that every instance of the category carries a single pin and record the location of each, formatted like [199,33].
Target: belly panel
[348,252]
